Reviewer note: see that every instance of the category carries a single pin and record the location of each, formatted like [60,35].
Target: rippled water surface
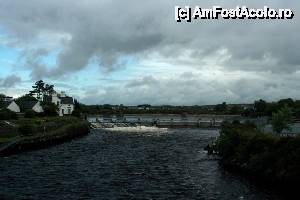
[107,165]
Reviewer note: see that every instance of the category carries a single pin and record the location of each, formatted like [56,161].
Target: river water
[106,165]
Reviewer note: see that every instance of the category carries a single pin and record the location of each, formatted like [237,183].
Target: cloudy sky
[134,52]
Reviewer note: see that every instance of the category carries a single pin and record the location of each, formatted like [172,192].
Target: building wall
[8,99]
[56,100]
[38,108]
[66,109]
[14,107]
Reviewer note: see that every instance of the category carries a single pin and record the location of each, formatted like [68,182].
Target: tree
[107,106]
[26,97]
[260,107]
[281,120]
[236,110]
[38,89]
[2,96]
[271,108]
[289,102]
[248,112]
[49,89]
[297,108]
[77,109]
[221,107]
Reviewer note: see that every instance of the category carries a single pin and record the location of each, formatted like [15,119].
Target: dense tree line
[259,108]
[262,108]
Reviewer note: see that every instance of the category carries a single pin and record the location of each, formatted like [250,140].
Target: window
[63,111]
[69,110]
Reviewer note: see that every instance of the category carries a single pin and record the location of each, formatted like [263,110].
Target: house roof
[26,105]
[5,104]
[66,100]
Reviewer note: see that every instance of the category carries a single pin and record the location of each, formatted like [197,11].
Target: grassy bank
[270,159]
[29,134]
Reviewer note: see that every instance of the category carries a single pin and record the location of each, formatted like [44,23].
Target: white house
[65,103]
[8,98]
[66,106]
[31,105]
[10,105]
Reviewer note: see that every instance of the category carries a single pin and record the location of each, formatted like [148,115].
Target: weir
[201,121]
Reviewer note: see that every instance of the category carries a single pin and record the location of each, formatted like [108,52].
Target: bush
[7,115]
[29,114]
[266,156]
[27,129]
[74,129]
[250,125]
[50,109]
[281,120]
[76,113]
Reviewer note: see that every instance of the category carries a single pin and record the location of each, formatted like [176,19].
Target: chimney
[63,94]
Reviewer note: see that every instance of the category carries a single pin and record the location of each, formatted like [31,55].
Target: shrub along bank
[270,159]
[32,137]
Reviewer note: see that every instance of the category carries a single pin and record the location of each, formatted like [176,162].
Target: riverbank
[40,133]
[270,160]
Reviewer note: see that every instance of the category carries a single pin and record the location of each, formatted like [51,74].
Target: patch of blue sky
[50,60]
[4,34]
[146,68]
[130,69]
[8,58]
[84,78]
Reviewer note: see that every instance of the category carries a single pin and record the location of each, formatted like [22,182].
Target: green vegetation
[30,141]
[35,127]
[271,158]
[7,115]
[74,128]
[27,129]
[263,108]
[40,89]
[221,108]
[50,109]
[2,96]
[7,131]
[38,128]
[281,120]
[29,114]
[259,108]
[25,97]
[7,139]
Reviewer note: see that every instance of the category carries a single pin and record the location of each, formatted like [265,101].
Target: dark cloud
[107,32]
[110,30]
[9,81]
[145,81]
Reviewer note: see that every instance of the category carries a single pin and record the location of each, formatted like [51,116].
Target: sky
[134,52]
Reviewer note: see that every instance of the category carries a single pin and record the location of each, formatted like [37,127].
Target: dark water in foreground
[124,166]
